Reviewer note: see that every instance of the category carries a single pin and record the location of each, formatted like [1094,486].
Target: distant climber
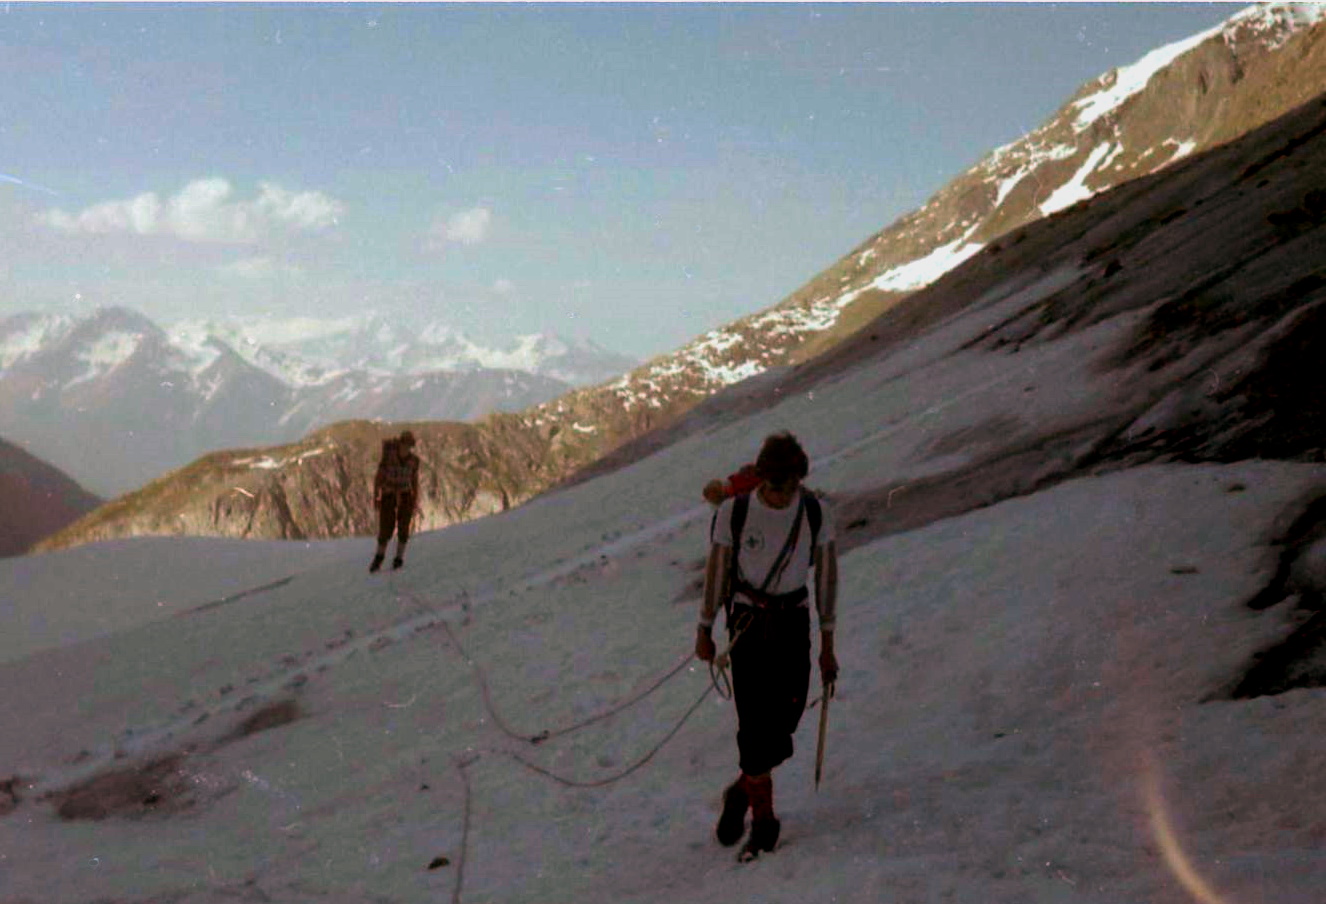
[396,496]
[762,548]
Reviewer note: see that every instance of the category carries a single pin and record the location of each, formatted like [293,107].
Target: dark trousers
[394,515]
[770,678]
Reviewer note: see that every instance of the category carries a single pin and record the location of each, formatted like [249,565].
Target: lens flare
[1163,830]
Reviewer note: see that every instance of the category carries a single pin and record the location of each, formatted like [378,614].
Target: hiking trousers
[770,678]
[394,515]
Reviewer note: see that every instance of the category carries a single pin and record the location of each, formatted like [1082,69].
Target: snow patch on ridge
[194,350]
[1278,21]
[1181,150]
[925,270]
[734,373]
[1284,18]
[1129,80]
[1033,152]
[1075,189]
[270,463]
[708,362]
[36,335]
[106,353]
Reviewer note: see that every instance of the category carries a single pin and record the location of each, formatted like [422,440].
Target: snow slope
[1020,715]
[132,582]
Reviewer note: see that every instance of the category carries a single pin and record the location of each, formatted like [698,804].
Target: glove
[704,645]
[828,666]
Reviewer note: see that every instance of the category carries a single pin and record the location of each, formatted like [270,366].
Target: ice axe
[824,723]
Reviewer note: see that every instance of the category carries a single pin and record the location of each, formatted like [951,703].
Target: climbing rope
[547,735]
[718,670]
[719,664]
[613,710]
[473,756]
[638,764]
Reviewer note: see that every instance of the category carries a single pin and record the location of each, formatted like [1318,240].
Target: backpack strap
[740,508]
[784,554]
[814,515]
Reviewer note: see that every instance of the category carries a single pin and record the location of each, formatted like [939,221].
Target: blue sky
[633,174]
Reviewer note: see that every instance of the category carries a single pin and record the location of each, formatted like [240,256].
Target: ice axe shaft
[824,724]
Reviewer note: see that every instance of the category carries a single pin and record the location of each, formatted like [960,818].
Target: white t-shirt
[763,536]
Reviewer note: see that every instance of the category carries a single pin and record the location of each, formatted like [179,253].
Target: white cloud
[205,211]
[139,215]
[310,210]
[504,287]
[468,227]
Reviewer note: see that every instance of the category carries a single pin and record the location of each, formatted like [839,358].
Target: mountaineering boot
[732,824]
[764,826]
[397,563]
[763,837]
[376,563]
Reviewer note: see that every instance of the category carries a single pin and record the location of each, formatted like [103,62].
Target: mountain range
[307,351]
[115,400]
[1124,164]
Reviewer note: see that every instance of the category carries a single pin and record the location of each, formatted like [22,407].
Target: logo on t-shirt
[753,541]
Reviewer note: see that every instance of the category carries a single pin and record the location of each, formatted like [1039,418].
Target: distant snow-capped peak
[25,334]
[305,351]
[83,348]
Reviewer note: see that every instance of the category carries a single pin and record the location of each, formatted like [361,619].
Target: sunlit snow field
[1019,716]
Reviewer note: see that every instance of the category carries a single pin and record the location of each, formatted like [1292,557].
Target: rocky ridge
[1179,100]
